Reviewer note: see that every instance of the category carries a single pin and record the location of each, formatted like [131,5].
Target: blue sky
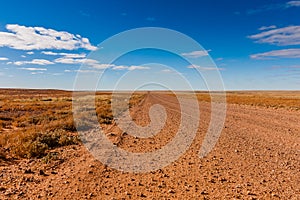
[255,44]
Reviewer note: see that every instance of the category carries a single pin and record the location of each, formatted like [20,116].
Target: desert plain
[256,156]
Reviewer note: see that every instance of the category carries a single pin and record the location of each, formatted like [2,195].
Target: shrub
[36,149]
[36,144]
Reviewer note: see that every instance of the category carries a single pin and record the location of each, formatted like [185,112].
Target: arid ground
[256,156]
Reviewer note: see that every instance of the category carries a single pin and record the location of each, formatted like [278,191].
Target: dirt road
[256,157]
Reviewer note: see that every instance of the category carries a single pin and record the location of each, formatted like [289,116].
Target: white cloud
[263,28]
[66,55]
[3,58]
[66,60]
[95,64]
[284,53]
[120,67]
[49,53]
[33,69]
[73,55]
[23,56]
[35,38]
[274,6]
[285,67]
[204,68]
[87,62]
[86,71]
[289,35]
[293,3]
[33,73]
[137,68]
[130,68]
[34,62]
[56,74]
[196,54]
[101,66]
[219,59]
[166,70]
[29,52]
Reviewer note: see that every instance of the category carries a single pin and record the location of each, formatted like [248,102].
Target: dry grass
[35,121]
[274,99]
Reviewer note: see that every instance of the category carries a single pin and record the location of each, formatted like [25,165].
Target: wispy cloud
[101,66]
[3,58]
[204,68]
[34,73]
[66,60]
[33,62]
[284,53]
[120,67]
[56,74]
[87,62]
[37,38]
[273,7]
[263,28]
[293,3]
[282,36]
[85,14]
[292,67]
[151,19]
[196,54]
[86,71]
[166,70]
[66,55]
[33,69]
[130,68]
[137,68]
[29,52]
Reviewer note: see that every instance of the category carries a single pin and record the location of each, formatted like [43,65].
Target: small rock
[212,181]
[250,193]
[28,171]
[275,195]
[142,195]
[42,173]
[203,192]
[21,193]
[223,180]
[171,191]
